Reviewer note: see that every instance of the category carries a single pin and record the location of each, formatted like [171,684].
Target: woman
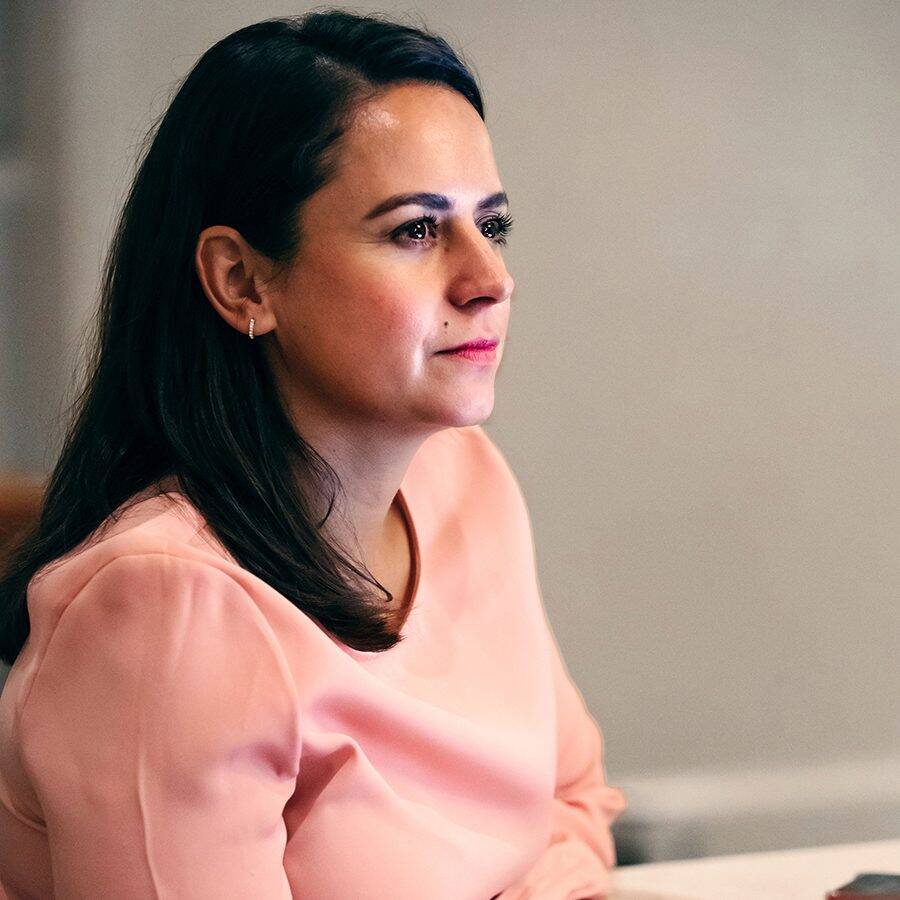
[208,698]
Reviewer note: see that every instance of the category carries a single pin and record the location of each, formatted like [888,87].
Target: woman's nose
[479,270]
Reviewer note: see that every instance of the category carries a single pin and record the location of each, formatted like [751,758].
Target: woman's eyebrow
[431,201]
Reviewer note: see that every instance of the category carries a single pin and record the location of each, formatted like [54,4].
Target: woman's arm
[576,863]
[580,852]
[161,734]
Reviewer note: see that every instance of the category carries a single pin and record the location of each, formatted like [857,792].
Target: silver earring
[250,329]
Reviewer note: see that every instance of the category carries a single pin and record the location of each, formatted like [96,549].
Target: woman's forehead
[414,138]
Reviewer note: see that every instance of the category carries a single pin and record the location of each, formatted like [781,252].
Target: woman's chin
[470,413]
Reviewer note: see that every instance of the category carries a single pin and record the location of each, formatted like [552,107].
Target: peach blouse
[174,727]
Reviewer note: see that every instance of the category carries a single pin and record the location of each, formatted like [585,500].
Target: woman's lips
[472,354]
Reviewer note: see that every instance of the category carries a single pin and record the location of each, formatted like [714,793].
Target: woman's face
[370,299]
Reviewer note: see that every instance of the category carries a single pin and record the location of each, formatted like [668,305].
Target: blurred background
[700,391]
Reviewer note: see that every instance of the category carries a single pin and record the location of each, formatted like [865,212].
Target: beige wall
[700,392]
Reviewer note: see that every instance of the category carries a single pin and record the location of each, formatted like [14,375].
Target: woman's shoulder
[456,450]
[466,461]
[461,480]
[148,532]
[151,582]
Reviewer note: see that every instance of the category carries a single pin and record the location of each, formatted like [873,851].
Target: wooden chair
[20,504]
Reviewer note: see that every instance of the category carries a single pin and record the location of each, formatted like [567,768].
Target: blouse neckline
[415,551]
[410,515]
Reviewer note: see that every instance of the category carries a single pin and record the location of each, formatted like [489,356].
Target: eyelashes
[502,225]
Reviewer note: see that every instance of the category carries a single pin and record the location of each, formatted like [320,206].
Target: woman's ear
[231,274]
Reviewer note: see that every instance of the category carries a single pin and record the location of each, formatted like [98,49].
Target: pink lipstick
[480,351]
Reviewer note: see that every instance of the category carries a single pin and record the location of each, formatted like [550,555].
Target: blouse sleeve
[161,734]
[575,865]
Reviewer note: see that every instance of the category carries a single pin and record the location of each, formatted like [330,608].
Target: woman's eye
[502,225]
[417,232]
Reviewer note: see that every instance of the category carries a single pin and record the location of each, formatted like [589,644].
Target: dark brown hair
[252,132]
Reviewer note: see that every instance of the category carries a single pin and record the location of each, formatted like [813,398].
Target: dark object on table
[869,884]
